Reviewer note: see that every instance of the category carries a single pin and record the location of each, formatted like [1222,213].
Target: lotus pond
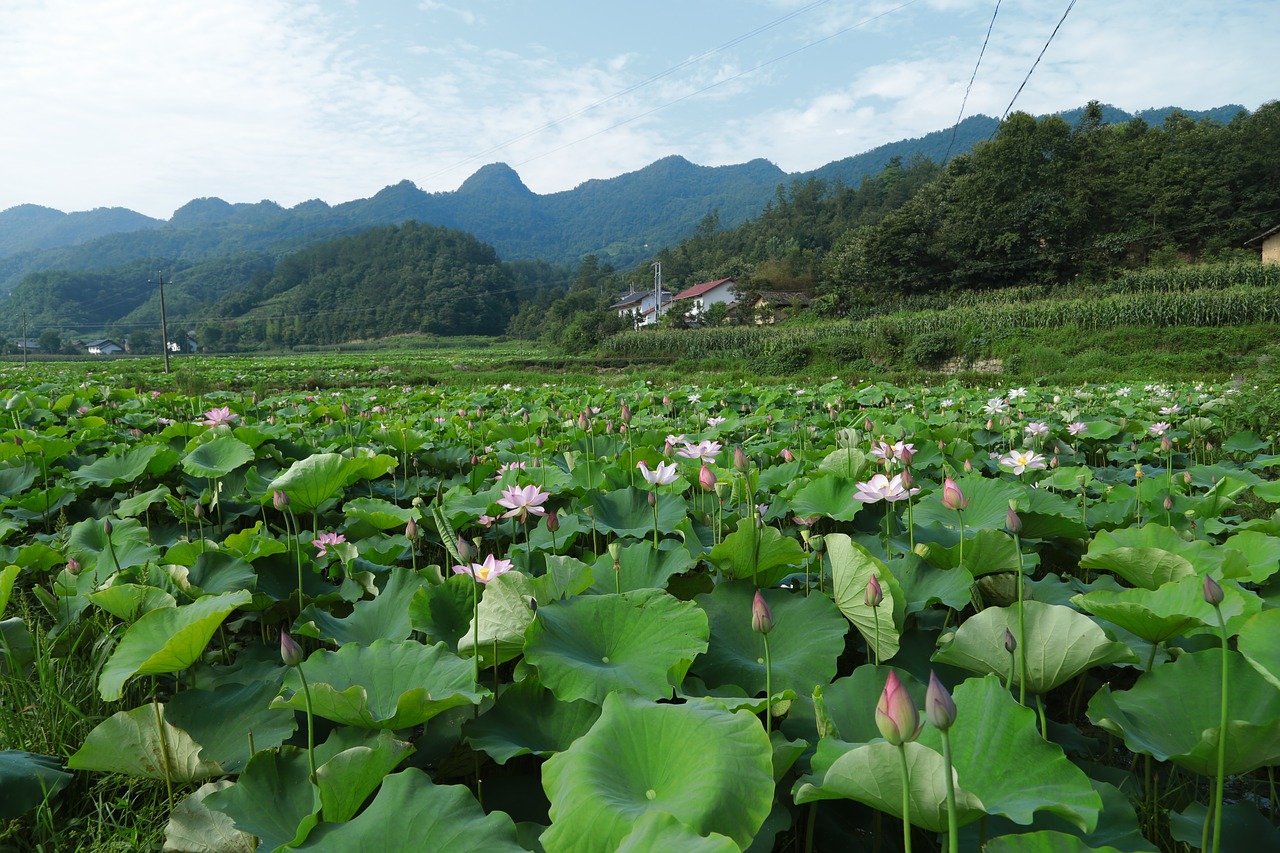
[642,618]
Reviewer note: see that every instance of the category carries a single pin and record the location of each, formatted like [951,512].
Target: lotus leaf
[128,601]
[1259,642]
[988,504]
[220,718]
[708,768]
[637,642]
[1169,611]
[830,496]
[217,457]
[384,685]
[852,567]
[442,612]
[505,615]
[385,617]
[273,798]
[129,539]
[641,567]
[194,828]
[1044,841]
[760,554]
[27,780]
[626,512]
[125,467]
[528,719]
[352,763]
[662,831]
[129,742]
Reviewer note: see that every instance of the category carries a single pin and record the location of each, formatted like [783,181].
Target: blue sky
[147,104]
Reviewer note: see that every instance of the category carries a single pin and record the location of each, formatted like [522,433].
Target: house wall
[1271,250]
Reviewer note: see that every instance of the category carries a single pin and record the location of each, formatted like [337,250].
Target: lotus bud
[106,526]
[939,707]
[584,423]
[866,424]
[466,551]
[411,530]
[952,497]
[1212,591]
[907,480]
[279,500]
[667,401]
[706,478]
[990,424]
[346,410]
[740,463]
[1168,502]
[73,566]
[198,512]
[1010,642]
[653,498]
[1011,520]
[553,521]
[906,456]
[608,426]
[761,615]
[1165,444]
[626,413]
[537,442]
[1054,463]
[1186,478]
[17,440]
[968,467]
[874,595]
[290,651]
[942,446]
[896,714]
[787,455]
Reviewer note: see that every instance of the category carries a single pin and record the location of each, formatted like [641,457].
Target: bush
[784,357]
[847,350]
[929,348]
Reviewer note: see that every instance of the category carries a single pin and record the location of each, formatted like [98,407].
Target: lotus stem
[768,687]
[906,797]
[311,726]
[953,821]
[164,751]
[1221,780]
[875,651]
[1022,629]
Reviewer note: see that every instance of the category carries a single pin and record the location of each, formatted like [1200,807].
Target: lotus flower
[486,571]
[896,715]
[219,416]
[523,501]
[881,487]
[665,474]
[1018,461]
[322,541]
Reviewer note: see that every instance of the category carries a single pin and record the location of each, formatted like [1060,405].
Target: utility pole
[24,340]
[164,324]
[657,291]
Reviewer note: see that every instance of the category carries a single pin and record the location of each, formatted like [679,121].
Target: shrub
[930,348]
[781,356]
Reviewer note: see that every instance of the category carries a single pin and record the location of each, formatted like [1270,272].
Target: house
[639,306]
[26,345]
[184,343]
[774,305]
[104,346]
[695,300]
[1269,243]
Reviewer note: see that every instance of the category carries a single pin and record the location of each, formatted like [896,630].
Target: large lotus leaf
[569,576]
[273,798]
[385,617]
[1160,614]
[708,768]
[986,552]
[1046,515]
[661,831]
[1189,737]
[383,515]
[1153,554]
[1172,714]
[807,639]
[848,703]
[194,828]
[1144,567]
[640,567]
[217,457]
[831,497]
[123,467]
[529,719]
[988,504]
[1001,758]
[411,814]
[17,479]
[27,780]
[7,576]
[130,743]
[166,640]
[312,482]
[384,685]
[845,462]
[637,642]
[251,543]
[924,585]
[760,554]
[870,773]
[442,612]
[626,512]
[223,719]
[505,616]
[852,567]
[138,504]
[1061,643]
[217,571]
[1243,827]
[1262,551]
[352,763]
[1259,642]
[129,538]
[1045,841]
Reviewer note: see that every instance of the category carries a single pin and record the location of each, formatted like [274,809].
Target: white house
[697,299]
[105,346]
[638,305]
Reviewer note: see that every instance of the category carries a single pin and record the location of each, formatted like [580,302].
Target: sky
[147,104]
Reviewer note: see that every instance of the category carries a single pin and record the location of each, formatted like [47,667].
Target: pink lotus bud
[466,550]
[1012,521]
[1010,642]
[73,565]
[907,480]
[968,467]
[1186,478]
[1212,591]
[626,413]
[952,497]
[290,651]
[866,424]
[1165,444]
[667,401]
[740,463]
[1168,502]
[346,410]
[896,714]
[584,423]
[874,594]
[411,530]
[787,455]
[1053,463]
[990,424]
[279,499]
[706,478]
[761,615]
[939,707]
[553,521]
[106,526]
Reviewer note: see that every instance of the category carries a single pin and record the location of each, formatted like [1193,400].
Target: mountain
[621,220]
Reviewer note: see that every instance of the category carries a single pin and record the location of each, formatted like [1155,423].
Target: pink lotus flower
[896,715]
[1159,428]
[520,502]
[665,474]
[486,571]
[1076,428]
[880,488]
[219,416]
[704,451]
[1036,429]
[1018,461]
[322,541]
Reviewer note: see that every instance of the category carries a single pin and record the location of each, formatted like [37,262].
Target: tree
[50,341]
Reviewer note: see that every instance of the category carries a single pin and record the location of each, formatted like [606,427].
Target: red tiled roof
[700,289]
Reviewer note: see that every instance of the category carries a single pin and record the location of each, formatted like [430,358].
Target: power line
[1070,6]
[967,89]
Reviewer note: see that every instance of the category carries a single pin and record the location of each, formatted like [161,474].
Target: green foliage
[927,349]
